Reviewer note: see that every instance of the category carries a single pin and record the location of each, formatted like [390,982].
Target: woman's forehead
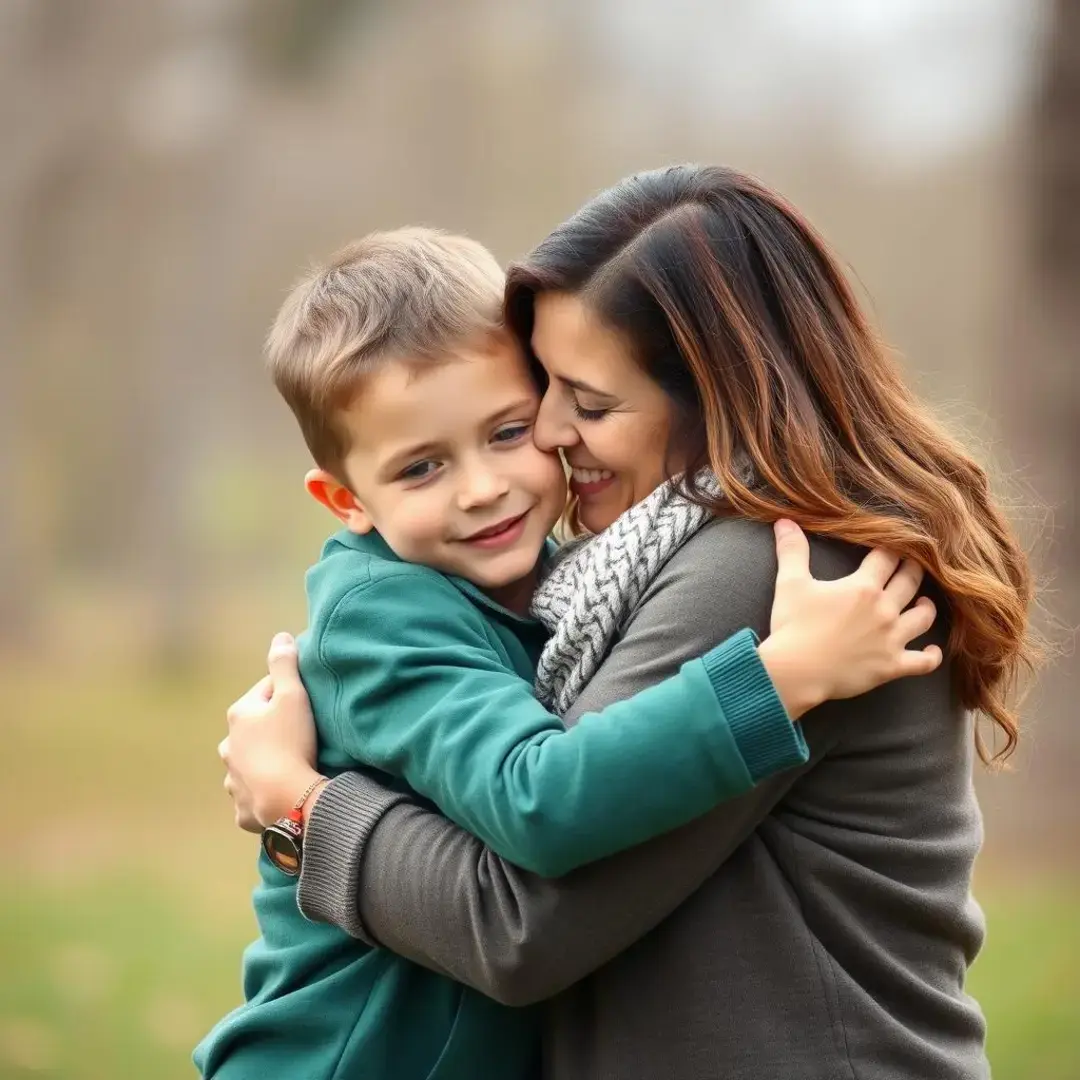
[567,335]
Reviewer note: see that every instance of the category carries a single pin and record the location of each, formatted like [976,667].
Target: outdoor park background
[169,166]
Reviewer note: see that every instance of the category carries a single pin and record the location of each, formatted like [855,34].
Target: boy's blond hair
[410,294]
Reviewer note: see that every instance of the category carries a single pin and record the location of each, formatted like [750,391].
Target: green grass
[114,979]
[120,977]
[1025,981]
[125,906]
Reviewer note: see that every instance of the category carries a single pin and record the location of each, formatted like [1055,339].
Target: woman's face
[611,420]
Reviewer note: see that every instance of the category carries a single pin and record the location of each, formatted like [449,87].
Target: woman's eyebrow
[584,387]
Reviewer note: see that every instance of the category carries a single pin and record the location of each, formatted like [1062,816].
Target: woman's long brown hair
[733,303]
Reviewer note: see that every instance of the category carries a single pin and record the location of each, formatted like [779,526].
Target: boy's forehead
[497,352]
[410,396]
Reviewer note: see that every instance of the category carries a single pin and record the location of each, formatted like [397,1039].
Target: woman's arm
[408,879]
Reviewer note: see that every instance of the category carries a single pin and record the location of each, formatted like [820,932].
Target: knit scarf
[593,585]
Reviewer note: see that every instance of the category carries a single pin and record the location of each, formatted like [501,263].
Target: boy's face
[443,465]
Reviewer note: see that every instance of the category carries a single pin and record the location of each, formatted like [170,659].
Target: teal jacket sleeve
[427,697]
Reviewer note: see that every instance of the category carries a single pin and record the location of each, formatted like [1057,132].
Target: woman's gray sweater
[819,928]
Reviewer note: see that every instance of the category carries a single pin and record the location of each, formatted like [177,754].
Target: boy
[419,657]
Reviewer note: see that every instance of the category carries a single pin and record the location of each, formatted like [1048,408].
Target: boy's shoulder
[365,568]
[367,557]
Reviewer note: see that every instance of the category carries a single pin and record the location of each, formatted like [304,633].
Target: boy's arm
[402,876]
[422,693]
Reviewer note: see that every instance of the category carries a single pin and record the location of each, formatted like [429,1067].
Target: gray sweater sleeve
[400,875]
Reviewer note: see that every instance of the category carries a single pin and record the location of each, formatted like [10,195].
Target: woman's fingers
[282,655]
[904,585]
[252,702]
[917,619]
[284,665]
[878,567]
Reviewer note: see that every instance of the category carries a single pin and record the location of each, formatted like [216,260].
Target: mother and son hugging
[687,795]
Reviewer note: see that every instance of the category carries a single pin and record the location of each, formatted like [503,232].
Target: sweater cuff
[335,838]
[766,736]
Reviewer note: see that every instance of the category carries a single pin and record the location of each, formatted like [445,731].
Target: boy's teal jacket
[423,677]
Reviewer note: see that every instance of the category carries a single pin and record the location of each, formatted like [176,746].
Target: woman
[690,324]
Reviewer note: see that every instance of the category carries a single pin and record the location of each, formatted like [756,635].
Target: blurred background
[167,169]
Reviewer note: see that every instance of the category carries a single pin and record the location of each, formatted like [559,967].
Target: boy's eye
[588,414]
[420,470]
[511,433]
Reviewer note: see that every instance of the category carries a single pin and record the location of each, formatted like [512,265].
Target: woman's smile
[586,483]
[612,422]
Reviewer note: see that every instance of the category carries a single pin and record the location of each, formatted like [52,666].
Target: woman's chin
[597,519]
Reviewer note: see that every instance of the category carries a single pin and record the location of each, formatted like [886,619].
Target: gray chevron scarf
[594,584]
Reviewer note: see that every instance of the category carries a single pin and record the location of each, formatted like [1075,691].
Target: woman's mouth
[502,534]
[585,483]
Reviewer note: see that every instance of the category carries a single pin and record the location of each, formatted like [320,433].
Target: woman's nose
[553,428]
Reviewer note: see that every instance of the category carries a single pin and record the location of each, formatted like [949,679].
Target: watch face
[282,847]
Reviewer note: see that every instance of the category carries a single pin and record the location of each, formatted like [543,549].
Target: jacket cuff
[335,838]
[768,739]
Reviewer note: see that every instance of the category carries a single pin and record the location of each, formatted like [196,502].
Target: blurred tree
[291,37]
[1039,380]
[1036,394]
[15,581]
[34,126]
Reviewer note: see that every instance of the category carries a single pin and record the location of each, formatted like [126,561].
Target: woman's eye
[589,414]
[512,433]
[419,471]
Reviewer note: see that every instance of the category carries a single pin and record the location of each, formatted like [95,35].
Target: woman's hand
[270,749]
[839,639]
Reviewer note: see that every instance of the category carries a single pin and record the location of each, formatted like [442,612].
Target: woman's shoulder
[719,581]
[731,549]
[726,546]
[726,574]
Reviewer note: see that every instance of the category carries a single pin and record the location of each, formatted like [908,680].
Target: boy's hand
[269,753]
[839,639]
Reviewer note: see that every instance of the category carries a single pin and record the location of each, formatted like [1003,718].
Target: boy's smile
[500,535]
[443,465]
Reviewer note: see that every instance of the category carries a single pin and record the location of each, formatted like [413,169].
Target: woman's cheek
[647,465]
[608,442]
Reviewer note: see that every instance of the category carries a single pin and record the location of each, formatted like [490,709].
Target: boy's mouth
[502,534]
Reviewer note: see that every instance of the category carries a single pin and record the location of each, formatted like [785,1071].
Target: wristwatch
[283,841]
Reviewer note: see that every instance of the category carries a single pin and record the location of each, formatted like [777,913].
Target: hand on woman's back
[842,638]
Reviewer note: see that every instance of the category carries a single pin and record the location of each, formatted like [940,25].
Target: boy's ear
[338,499]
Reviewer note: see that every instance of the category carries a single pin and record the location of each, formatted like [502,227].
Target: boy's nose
[481,486]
